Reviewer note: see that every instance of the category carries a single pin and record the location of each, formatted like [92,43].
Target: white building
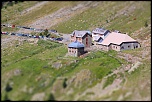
[99,34]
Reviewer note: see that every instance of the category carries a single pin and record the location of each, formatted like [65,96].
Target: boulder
[57,65]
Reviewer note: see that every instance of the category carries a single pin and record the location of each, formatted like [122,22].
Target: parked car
[4,32]
[3,25]
[53,31]
[19,34]
[26,27]
[32,36]
[25,35]
[29,35]
[18,26]
[32,28]
[13,34]
[37,37]
[40,37]
[59,39]
[47,35]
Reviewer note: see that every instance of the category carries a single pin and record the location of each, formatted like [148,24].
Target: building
[76,49]
[84,37]
[99,33]
[118,42]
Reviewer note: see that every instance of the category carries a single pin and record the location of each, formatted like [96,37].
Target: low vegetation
[32,71]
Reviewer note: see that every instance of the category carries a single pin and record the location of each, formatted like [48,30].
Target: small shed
[76,49]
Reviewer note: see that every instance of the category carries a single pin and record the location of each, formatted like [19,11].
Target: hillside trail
[33,7]
[59,16]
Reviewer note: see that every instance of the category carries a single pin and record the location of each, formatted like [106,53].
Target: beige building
[118,42]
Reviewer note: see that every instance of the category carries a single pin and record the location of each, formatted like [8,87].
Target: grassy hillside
[13,13]
[36,62]
[41,71]
[125,16]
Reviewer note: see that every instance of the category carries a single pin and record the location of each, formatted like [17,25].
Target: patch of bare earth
[59,16]
[36,6]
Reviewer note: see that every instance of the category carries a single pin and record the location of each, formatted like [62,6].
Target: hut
[76,49]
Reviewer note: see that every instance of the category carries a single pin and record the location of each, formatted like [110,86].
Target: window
[136,46]
[86,39]
[69,50]
[128,46]
[113,46]
[116,47]
[122,47]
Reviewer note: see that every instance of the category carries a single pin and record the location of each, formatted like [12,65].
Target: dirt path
[61,15]
[33,7]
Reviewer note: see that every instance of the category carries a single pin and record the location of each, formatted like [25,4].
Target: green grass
[109,81]
[30,67]
[41,57]
[33,66]
[134,81]
[84,21]
[13,12]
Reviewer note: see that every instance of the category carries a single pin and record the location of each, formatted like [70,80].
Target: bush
[64,83]
[51,97]
[146,24]
[8,88]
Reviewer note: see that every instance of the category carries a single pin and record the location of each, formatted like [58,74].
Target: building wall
[80,51]
[73,38]
[89,40]
[75,52]
[131,45]
[83,39]
[79,39]
[103,47]
[123,46]
[95,35]
[114,47]
[101,35]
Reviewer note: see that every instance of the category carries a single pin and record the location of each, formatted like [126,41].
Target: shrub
[51,97]
[146,24]
[64,83]
[8,88]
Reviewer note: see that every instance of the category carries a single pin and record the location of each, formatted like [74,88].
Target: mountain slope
[40,70]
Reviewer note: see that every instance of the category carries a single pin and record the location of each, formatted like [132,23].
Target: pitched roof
[80,33]
[76,44]
[97,38]
[100,31]
[116,38]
